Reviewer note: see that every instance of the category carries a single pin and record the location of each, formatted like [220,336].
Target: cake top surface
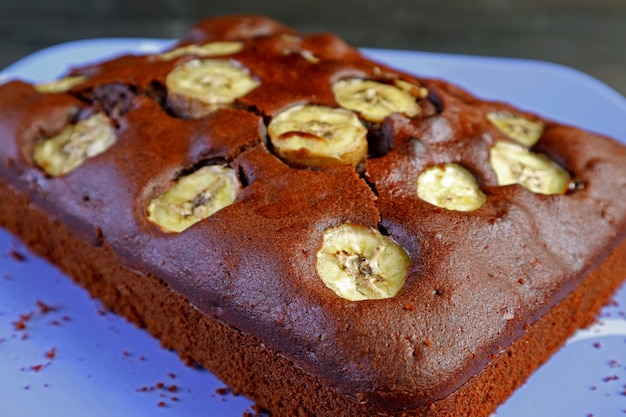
[476,277]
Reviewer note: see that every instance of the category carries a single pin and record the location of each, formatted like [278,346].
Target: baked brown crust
[484,288]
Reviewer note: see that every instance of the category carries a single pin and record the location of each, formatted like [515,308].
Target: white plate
[103,366]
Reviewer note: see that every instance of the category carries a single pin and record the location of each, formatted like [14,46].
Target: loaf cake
[328,235]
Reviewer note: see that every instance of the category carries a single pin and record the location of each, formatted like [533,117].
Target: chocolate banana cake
[328,235]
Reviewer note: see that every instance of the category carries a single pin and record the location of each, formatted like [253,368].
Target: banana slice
[205,50]
[293,47]
[309,56]
[515,164]
[516,127]
[359,263]
[61,85]
[317,136]
[450,186]
[304,53]
[194,197]
[199,87]
[419,92]
[70,148]
[373,100]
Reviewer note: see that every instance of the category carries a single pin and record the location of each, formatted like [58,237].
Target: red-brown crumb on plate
[20,324]
[17,256]
[163,390]
[51,354]
[45,308]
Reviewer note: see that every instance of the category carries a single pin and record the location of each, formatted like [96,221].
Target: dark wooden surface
[589,35]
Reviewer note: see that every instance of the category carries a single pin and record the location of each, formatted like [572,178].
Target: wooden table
[587,35]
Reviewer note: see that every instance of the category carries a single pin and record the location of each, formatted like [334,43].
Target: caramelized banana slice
[194,197]
[205,50]
[314,135]
[70,148]
[61,85]
[373,100]
[450,186]
[515,164]
[516,127]
[199,87]
[359,263]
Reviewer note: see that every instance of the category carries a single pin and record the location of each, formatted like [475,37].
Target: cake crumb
[19,325]
[51,354]
[614,364]
[17,256]
[45,308]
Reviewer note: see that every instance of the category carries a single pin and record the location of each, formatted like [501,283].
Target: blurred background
[586,35]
